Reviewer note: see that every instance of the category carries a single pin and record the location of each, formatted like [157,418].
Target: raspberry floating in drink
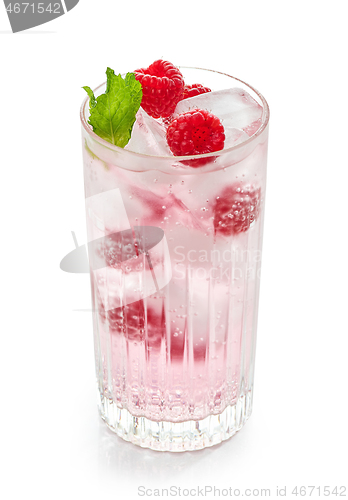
[236,209]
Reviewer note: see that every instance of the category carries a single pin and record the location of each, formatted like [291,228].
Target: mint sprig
[112,114]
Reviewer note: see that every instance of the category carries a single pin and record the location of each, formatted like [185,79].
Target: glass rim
[117,149]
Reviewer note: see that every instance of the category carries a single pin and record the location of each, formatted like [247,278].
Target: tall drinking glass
[175,255]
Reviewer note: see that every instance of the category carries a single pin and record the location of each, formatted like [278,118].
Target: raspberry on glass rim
[163,85]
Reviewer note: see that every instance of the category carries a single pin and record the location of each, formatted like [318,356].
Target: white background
[295,53]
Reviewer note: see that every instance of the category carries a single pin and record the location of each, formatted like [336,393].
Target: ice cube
[235,108]
[106,213]
[136,278]
[234,136]
[162,209]
[148,136]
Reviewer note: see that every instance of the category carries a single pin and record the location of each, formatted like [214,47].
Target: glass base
[177,436]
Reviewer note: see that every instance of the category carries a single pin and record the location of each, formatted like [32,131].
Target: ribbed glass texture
[175,270]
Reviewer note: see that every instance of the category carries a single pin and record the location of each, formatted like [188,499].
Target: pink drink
[175,317]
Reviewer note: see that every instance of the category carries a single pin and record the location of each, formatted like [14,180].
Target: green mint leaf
[112,114]
[92,99]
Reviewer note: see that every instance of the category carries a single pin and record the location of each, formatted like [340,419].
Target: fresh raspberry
[189,91]
[162,85]
[124,320]
[130,321]
[194,89]
[195,132]
[116,248]
[236,209]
